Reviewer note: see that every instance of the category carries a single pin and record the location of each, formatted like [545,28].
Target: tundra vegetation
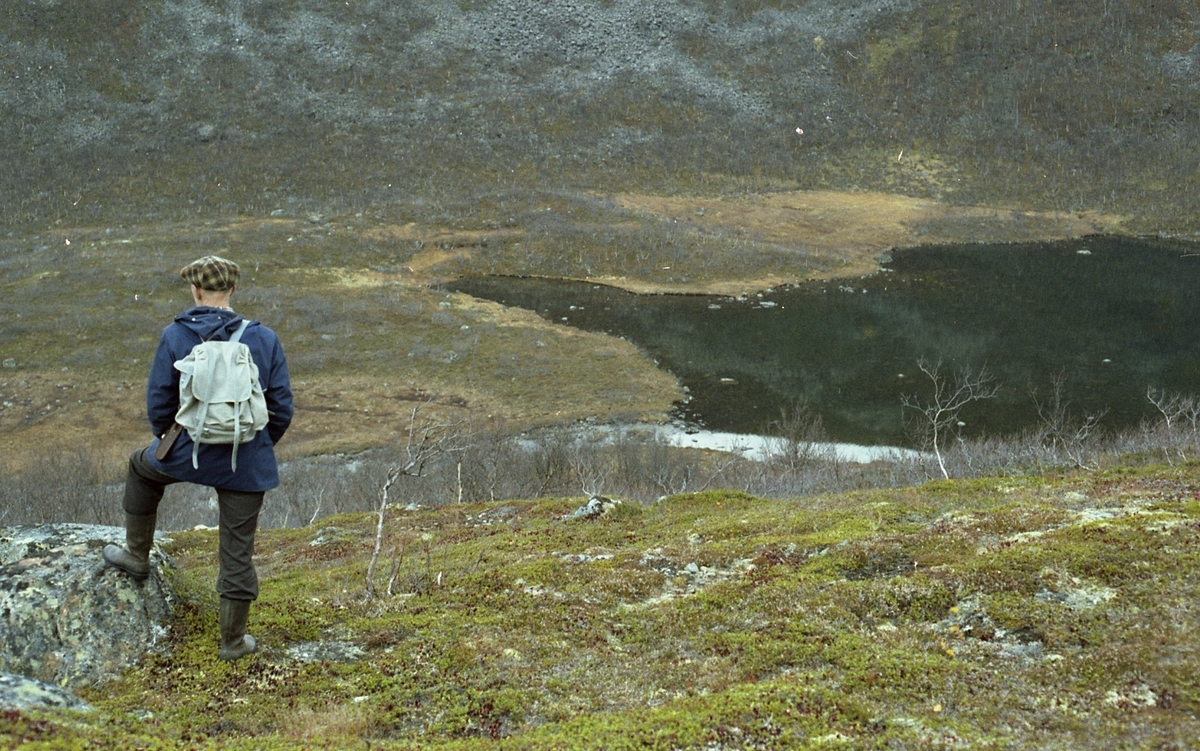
[989,613]
[353,155]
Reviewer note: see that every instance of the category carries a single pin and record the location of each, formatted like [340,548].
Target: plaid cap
[211,273]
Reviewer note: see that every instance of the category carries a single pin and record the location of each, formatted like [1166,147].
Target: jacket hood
[211,323]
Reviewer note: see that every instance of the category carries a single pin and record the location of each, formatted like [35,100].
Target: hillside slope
[185,108]
[1050,613]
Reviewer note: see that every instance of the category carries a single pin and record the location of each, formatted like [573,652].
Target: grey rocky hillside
[193,107]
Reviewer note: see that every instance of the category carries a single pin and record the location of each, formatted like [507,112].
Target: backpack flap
[219,372]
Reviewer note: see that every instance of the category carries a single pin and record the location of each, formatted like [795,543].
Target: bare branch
[1175,407]
[425,440]
[939,418]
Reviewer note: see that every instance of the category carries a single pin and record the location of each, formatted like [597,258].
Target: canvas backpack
[220,398]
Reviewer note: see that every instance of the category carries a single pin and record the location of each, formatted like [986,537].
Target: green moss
[602,633]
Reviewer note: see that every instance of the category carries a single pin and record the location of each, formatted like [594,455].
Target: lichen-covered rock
[68,619]
[22,692]
[596,507]
[333,650]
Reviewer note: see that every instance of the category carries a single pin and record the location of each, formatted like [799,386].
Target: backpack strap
[200,424]
[237,335]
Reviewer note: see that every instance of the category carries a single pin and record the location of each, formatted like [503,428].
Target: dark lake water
[1113,316]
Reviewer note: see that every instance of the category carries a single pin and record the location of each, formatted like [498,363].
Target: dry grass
[366,340]
[830,234]
[848,231]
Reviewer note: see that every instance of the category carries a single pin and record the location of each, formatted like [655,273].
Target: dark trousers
[237,580]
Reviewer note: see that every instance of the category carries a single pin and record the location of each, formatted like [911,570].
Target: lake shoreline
[744,287]
[1107,317]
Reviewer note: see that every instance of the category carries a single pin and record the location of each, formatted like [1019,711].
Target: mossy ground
[1055,612]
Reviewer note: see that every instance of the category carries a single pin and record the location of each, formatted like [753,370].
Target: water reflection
[1112,316]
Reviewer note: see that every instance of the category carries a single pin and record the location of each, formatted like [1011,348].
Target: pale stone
[20,692]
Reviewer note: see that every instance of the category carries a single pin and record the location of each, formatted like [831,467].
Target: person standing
[241,480]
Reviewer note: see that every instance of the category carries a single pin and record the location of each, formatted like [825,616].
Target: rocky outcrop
[22,692]
[596,507]
[68,619]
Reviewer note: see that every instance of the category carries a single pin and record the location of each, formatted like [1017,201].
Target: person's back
[256,467]
[173,457]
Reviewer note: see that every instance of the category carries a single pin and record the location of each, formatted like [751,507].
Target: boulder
[596,507]
[22,692]
[68,619]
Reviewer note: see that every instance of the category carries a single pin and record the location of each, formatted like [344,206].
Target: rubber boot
[134,558]
[235,642]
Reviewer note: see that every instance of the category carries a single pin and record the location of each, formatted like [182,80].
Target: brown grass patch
[426,262]
[522,369]
[850,230]
[57,412]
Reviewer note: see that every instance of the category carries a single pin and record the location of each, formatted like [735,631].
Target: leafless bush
[495,463]
[490,463]
[320,486]
[591,462]
[425,439]
[1061,438]
[651,468]
[937,419]
[1177,429]
[551,462]
[1062,432]
[799,458]
[1177,410]
[76,486]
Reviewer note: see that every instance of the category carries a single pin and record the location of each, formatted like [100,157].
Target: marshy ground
[368,334]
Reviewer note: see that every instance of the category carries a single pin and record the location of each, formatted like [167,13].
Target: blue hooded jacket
[256,467]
